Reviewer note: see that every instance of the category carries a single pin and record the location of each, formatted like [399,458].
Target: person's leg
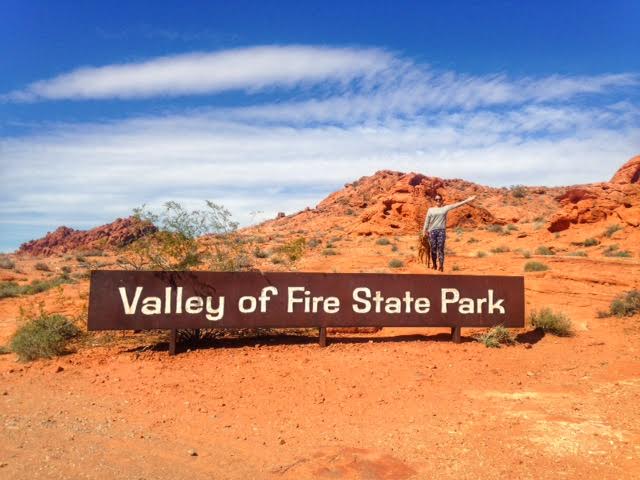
[433,240]
[443,236]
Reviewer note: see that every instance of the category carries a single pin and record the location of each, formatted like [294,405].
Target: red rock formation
[615,201]
[116,234]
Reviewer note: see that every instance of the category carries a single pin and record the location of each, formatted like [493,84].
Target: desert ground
[391,404]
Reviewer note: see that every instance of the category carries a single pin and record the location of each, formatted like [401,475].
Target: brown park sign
[136,300]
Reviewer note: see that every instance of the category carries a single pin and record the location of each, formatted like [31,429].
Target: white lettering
[366,304]
[215,314]
[242,304]
[151,306]
[130,308]
[446,300]
[194,305]
[265,297]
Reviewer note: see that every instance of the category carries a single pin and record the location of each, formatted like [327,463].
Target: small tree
[176,245]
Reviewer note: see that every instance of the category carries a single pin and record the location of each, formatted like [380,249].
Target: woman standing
[436,224]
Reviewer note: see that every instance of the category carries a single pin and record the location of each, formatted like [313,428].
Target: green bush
[383,241]
[9,289]
[495,337]
[43,267]
[7,263]
[626,304]
[294,249]
[500,249]
[542,250]
[43,336]
[550,322]
[396,263]
[535,267]
[38,286]
[611,230]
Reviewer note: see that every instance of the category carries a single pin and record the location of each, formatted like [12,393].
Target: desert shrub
[626,304]
[481,254]
[4,350]
[9,289]
[543,250]
[518,191]
[7,263]
[526,254]
[614,251]
[500,249]
[81,259]
[43,336]
[383,241]
[328,252]
[394,248]
[43,267]
[495,228]
[175,246]
[551,322]
[293,249]
[578,254]
[538,225]
[277,260]
[66,270]
[455,268]
[259,253]
[590,242]
[611,229]
[314,242]
[473,240]
[38,286]
[535,267]
[495,337]
[512,227]
[349,212]
[396,263]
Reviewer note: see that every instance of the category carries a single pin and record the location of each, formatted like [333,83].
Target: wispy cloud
[368,110]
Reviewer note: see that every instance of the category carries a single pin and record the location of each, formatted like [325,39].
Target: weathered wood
[456,334]
[322,340]
[173,338]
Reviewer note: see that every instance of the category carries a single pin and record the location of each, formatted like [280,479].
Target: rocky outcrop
[113,235]
[615,201]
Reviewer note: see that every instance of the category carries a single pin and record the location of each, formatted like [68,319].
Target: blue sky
[269,106]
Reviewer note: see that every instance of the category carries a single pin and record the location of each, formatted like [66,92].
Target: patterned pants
[436,239]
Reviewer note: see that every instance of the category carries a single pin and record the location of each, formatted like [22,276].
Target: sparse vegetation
[277,260]
[518,191]
[455,268]
[9,289]
[535,267]
[578,254]
[551,322]
[496,337]
[614,251]
[396,263]
[394,248]
[259,253]
[544,250]
[383,241]
[44,335]
[626,304]
[66,270]
[481,254]
[611,229]
[500,249]
[7,263]
[512,227]
[43,267]
[495,228]
[12,289]
[473,240]
[293,249]
[94,252]
[314,242]
[590,242]
[328,252]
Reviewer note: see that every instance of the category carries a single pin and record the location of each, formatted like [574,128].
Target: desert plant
[66,270]
[495,337]
[543,250]
[314,242]
[526,254]
[394,248]
[396,263]
[383,241]
[535,267]
[38,286]
[259,253]
[9,289]
[175,246]
[495,228]
[473,240]
[44,335]
[518,191]
[277,260]
[7,263]
[81,259]
[455,268]
[611,229]
[500,249]
[328,252]
[590,242]
[512,227]
[43,267]
[551,322]
[293,249]
[94,252]
[481,254]
[626,304]
[614,251]
[578,254]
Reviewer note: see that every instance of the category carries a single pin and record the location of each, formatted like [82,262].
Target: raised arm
[459,204]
